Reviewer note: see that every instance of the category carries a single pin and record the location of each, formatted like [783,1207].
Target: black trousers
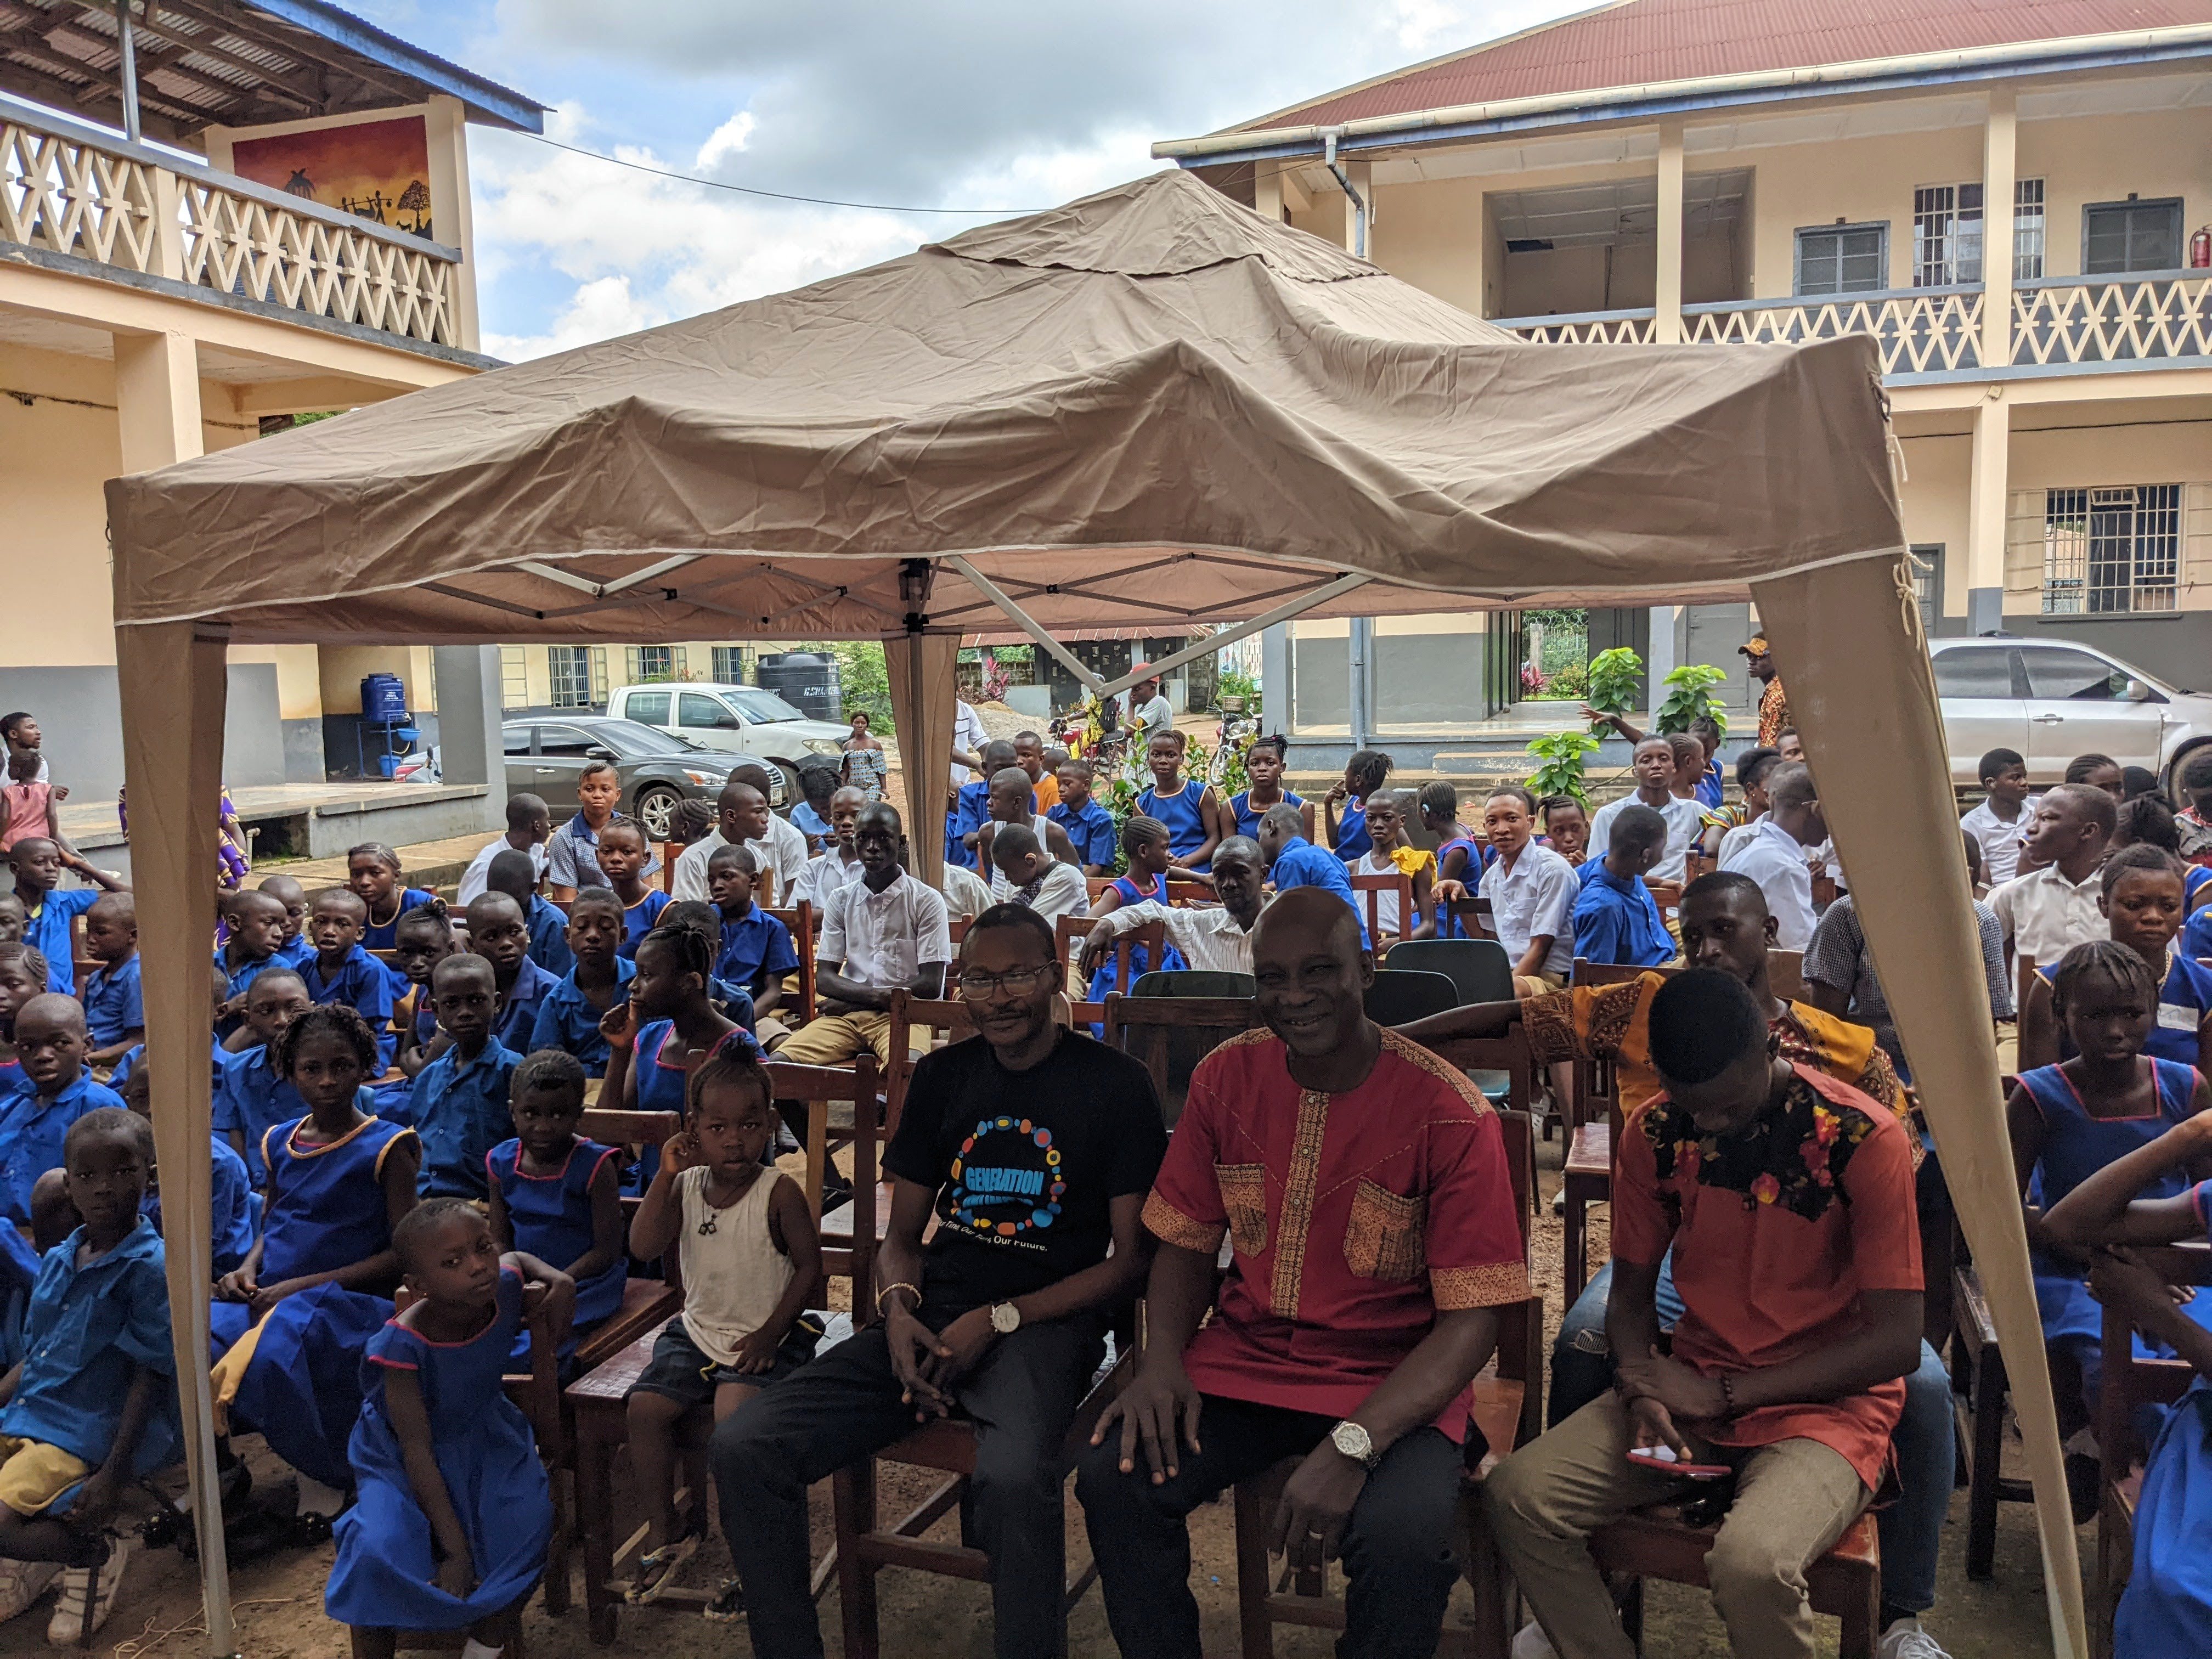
[1398,1561]
[846,1405]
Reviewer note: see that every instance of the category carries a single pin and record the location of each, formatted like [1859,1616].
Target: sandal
[728,1607]
[657,1569]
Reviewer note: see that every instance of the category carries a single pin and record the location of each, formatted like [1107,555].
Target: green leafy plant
[865,682]
[1570,683]
[1559,755]
[1232,682]
[1689,697]
[1616,677]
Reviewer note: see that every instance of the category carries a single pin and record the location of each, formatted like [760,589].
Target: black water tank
[807,680]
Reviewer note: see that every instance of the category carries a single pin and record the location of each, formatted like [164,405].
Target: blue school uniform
[89,1328]
[48,930]
[385,1572]
[565,1019]
[235,978]
[1186,822]
[296,952]
[1302,864]
[970,807]
[392,1098]
[1708,787]
[461,1110]
[661,1087]
[1090,832]
[2183,1000]
[363,984]
[550,1217]
[112,1003]
[807,821]
[518,1015]
[548,936]
[376,936]
[1450,923]
[639,918]
[31,1135]
[252,1099]
[754,947]
[233,1211]
[1617,921]
[327,1210]
[1353,840]
[2074,1147]
[131,1059]
[1248,816]
[18,1272]
[1106,976]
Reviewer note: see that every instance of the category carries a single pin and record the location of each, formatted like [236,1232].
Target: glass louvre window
[2120,236]
[1843,259]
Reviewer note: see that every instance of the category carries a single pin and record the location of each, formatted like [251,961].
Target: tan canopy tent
[1149,407]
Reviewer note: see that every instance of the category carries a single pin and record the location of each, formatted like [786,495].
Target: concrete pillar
[1664,656]
[1268,189]
[157,399]
[1999,175]
[1361,652]
[469,749]
[1667,322]
[446,127]
[1985,514]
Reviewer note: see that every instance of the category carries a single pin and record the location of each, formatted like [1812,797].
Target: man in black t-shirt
[1034,1146]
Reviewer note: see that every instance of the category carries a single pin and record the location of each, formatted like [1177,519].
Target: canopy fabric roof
[1148,409]
[1148,405]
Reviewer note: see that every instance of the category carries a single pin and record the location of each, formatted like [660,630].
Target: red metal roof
[1645,41]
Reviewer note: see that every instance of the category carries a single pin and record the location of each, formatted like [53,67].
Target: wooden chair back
[1510,1055]
[910,1013]
[1188,893]
[1667,895]
[1072,931]
[819,1088]
[1785,973]
[1168,1036]
[635,1132]
[1373,887]
[799,921]
[668,851]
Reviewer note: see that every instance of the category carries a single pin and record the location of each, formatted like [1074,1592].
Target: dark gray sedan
[546,752]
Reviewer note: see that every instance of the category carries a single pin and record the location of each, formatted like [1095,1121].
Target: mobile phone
[1666,1460]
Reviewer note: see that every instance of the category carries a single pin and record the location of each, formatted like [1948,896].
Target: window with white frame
[513,677]
[2107,550]
[1946,233]
[651,663]
[577,675]
[730,661]
[1842,259]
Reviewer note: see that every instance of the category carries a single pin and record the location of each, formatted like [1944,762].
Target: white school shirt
[969,737]
[1775,859]
[1685,818]
[1062,891]
[1535,895]
[2046,915]
[1998,840]
[1208,936]
[883,940]
[824,873]
[965,895]
[477,876]
[782,852]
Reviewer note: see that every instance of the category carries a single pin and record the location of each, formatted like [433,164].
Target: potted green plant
[1689,698]
[1616,678]
[1559,757]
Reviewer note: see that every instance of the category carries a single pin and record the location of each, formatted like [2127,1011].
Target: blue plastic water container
[383,699]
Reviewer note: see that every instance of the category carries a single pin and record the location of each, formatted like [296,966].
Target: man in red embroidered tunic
[1363,1185]
[1788,1197]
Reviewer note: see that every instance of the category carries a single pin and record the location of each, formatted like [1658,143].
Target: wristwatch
[1006,1318]
[1355,1444]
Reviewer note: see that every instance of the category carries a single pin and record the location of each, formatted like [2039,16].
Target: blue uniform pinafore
[375,936]
[1353,840]
[2182,1001]
[660,1088]
[1450,923]
[1179,812]
[385,1572]
[1103,977]
[551,1217]
[1248,818]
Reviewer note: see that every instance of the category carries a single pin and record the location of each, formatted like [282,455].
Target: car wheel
[656,811]
[2181,764]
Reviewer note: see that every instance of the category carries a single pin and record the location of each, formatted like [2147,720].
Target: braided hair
[332,1019]
[693,952]
[734,1064]
[430,913]
[2101,959]
[1365,771]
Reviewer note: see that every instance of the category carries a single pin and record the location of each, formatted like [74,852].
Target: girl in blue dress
[2070,1120]
[1263,763]
[2143,900]
[453,1515]
[291,1325]
[2167,1606]
[1144,844]
[1187,806]
[664,1032]
[558,1195]
[1345,805]
[623,857]
[1460,857]
[373,871]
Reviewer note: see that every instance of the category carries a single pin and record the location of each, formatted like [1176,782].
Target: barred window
[2112,550]
[730,664]
[578,674]
[1946,233]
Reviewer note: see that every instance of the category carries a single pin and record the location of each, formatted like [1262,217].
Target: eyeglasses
[976,986]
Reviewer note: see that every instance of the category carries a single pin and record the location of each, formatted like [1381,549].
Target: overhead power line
[771,195]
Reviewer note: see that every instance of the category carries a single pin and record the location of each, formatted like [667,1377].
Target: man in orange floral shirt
[1362,1185]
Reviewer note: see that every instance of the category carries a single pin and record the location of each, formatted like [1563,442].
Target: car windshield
[757,705]
[632,741]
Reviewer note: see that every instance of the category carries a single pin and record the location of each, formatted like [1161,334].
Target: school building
[2014,201]
[214,217]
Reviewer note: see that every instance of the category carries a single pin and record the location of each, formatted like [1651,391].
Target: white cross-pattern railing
[2113,319]
[1921,330]
[1586,328]
[69,189]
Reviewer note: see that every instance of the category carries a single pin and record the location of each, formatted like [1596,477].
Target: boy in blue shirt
[1617,921]
[754,951]
[1294,861]
[22,976]
[256,944]
[460,1104]
[48,915]
[114,1009]
[1090,826]
[294,948]
[973,808]
[232,1214]
[341,971]
[569,1015]
[50,1044]
[93,1408]
[250,1097]
[514,874]
[497,934]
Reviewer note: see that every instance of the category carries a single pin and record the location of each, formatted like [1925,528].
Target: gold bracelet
[888,1289]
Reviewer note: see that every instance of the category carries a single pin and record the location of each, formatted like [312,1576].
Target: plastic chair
[1479,967]
[1194,982]
[1399,996]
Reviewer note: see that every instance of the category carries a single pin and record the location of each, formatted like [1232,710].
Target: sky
[992,105]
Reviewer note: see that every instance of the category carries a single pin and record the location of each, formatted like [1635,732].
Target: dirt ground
[279,1600]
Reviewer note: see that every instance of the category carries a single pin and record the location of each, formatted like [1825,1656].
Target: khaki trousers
[833,1039]
[1793,1500]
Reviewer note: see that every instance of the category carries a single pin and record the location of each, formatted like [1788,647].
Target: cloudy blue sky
[922,103]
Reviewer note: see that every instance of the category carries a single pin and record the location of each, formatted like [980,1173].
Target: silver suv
[2052,699]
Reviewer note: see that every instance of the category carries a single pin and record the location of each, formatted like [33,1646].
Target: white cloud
[726,140]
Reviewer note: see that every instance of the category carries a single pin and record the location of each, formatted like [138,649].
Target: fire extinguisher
[2200,248]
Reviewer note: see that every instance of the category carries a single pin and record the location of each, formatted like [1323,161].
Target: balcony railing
[71,189]
[2069,322]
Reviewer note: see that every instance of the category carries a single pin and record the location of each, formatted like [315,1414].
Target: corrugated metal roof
[1656,41]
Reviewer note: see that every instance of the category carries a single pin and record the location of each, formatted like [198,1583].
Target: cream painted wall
[1868,180]
[1935,502]
[1435,243]
[343,668]
[2164,153]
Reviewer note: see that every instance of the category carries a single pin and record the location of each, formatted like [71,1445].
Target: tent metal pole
[1029,625]
[1360,643]
[1213,643]
[127,48]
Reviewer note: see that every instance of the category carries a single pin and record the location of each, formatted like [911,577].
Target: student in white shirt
[1532,891]
[883,932]
[1773,853]
[837,864]
[529,825]
[965,893]
[1654,766]
[1021,871]
[1999,823]
[742,819]
[968,737]
[1212,936]
[2048,911]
